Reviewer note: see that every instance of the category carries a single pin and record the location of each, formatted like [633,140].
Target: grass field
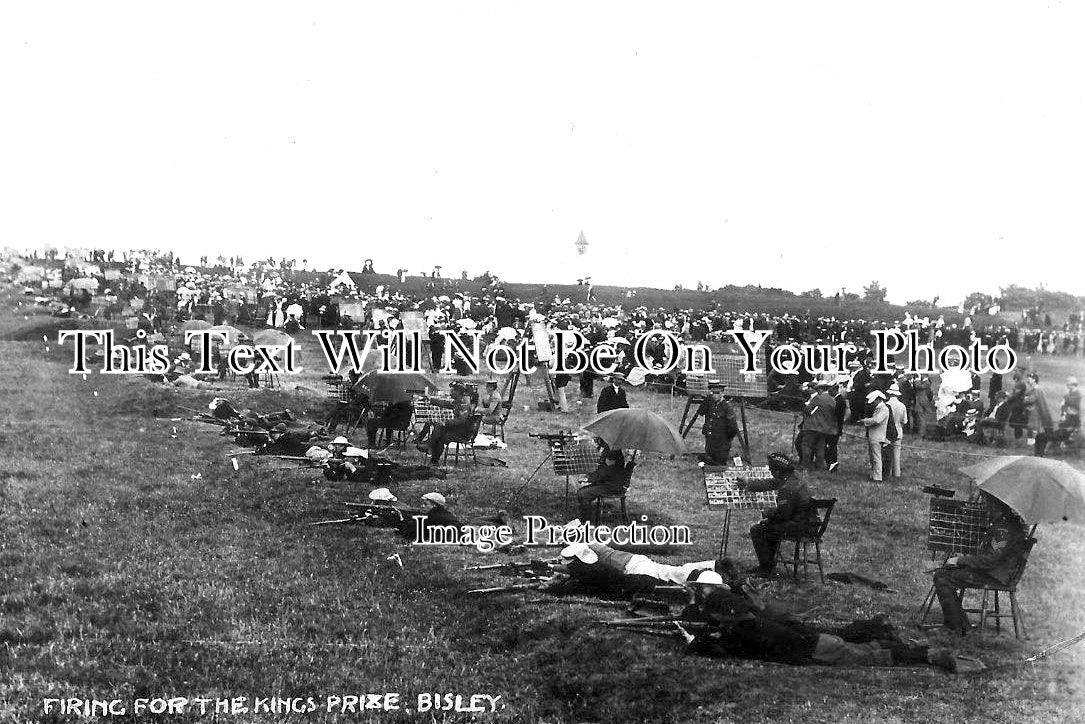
[135,562]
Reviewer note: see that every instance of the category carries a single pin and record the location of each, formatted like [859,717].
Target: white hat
[875,395]
[435,498]
[710,578]
[894,389]
[581,552]
[340,441]
[382,494]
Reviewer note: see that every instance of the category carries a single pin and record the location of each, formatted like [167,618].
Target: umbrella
[88,283]
[233,334]
[393,386]
[467,323]
[195,324]
[957,380]
[506,333]
[618,340]
[636,429]
[272,338]
[610,322]
[1040,490]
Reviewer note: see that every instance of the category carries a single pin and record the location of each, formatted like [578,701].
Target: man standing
[898,416]
[719,429]
[612,397]
[832,442]
[859,382]
[876,423]
[818,425]
[794,513]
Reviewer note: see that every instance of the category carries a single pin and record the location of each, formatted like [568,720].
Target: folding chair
[989,605]
[825,510]
[387,436]
[629,467]
[499,423]
[465,441]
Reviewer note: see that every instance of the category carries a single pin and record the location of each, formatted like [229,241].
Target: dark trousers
[444,434]
[946,584]
[589,494]
[587,384]
[1048,436]
[832,449]
[766,540]
[813,448]
[717,450]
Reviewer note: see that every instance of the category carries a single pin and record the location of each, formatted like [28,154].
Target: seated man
[995,420]
[741,626]
[357,401]
[396,416]
[458,427]
[1000,554]
[794,513]
[490,406]
[609,478]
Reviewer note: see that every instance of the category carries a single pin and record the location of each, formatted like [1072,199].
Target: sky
[937,148]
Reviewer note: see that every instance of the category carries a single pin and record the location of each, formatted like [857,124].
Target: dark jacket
[611,398]
[1001,552]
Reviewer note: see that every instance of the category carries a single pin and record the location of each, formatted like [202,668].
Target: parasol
[636,429]
[233,334]
[272,338]
[393,386]
[1040,490]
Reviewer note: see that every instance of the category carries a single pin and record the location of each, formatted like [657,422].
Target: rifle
[513,587]
[576,600]
[643,620]
[340,521]
[516,565]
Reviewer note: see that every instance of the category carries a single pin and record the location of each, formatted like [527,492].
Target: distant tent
[88,283]
[345,279]
[31,274]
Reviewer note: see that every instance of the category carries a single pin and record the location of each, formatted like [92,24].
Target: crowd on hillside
[160,290]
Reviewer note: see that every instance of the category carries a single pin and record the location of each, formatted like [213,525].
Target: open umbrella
[394,386]
[506,333]
[1040,490]
[618,340]
[272,338]
[956,380]
[233,334]
[610,322]
[195,324]
[467,323]
[636,429]
[88,283]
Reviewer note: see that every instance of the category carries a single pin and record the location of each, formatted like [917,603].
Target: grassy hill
[135,562]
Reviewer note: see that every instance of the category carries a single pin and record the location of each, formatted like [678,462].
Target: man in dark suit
[612,397]
[1002,552]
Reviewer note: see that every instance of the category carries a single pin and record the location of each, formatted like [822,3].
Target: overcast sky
[936,147]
